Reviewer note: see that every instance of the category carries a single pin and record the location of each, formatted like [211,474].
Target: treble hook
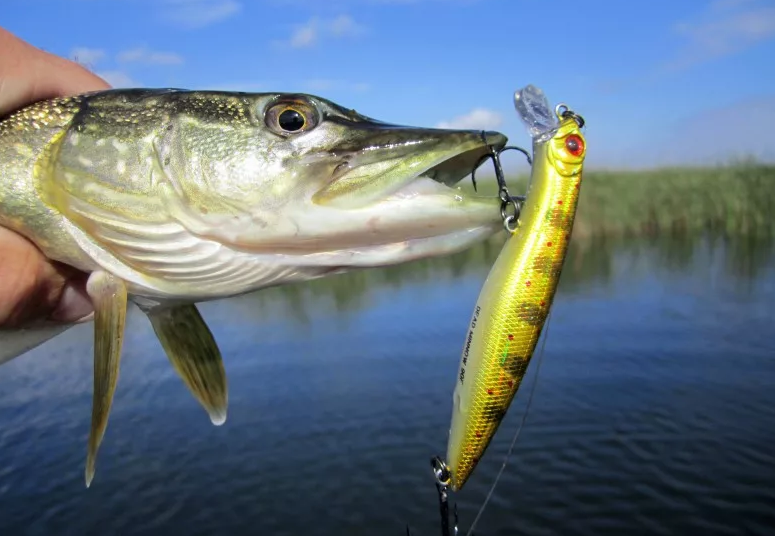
[495,155]
[442,476]
[503,190]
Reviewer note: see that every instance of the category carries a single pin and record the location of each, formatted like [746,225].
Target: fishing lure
[518,293]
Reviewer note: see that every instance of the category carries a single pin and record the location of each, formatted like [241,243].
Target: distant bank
[737,199]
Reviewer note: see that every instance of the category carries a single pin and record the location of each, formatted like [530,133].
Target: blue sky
[659,82]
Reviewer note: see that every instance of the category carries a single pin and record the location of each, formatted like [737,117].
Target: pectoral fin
[194,354]
[109,298]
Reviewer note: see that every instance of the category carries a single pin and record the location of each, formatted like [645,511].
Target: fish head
[206,192]
[305,175]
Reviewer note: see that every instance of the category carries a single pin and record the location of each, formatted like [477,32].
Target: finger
[28,74]
[33,288]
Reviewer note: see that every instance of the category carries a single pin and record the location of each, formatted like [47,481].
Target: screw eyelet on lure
[562,111]
[440,471]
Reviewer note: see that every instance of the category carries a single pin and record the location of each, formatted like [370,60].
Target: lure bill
[518,293]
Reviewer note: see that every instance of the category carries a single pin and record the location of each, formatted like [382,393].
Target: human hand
[32,287]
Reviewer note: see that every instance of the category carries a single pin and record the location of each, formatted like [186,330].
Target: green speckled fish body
[171,197]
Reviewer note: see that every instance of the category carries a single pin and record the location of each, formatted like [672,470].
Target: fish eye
[293,117]
[574,144]
[291,120]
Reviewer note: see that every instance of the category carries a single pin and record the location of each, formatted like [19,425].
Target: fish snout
[494,138]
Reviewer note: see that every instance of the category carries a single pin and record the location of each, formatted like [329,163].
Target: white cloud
[309,33]
[719,134]
[246,86]
[406,2]
[118,79]
[199,13]
[320,84]
[359,3]
[311,85]
[303,36]
[476,119]
[723,5]
[727,27]
[712,136]
[326,84]
[87,56]
[345,25]
[150,57]
[724,28]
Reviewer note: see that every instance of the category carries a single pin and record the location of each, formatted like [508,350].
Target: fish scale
[166,198]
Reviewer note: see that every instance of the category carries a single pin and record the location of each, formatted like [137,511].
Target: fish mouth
[396,198]
[414,162]
[444,176]
[374,194]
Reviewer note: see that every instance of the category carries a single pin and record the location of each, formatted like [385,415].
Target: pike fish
[519,291]
[167,198]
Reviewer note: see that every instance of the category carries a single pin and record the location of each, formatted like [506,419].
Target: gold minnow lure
[518,293]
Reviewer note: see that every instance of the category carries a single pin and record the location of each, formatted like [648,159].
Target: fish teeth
[423,185]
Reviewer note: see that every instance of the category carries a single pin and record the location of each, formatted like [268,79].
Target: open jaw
[420,212]
[443,177]
[388,168]
[381,204]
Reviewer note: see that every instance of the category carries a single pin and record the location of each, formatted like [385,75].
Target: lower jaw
[393,253]
[421,248]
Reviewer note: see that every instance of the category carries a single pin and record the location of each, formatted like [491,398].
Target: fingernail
[74,305]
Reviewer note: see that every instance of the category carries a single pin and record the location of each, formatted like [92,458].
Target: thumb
[34,288]
[28,74]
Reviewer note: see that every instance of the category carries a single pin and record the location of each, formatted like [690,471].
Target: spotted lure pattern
[516,298]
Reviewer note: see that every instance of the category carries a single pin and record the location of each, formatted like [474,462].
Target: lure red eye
[574,144]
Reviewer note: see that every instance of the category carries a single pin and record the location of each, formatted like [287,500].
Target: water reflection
[749,255]
[591,264]
[652,414]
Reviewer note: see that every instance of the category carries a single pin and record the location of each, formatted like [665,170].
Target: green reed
[735,199]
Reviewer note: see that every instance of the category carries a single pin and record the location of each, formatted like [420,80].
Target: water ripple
[653,414]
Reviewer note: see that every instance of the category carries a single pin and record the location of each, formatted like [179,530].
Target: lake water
[654,411]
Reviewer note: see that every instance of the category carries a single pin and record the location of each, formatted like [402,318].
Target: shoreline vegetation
[734,199]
